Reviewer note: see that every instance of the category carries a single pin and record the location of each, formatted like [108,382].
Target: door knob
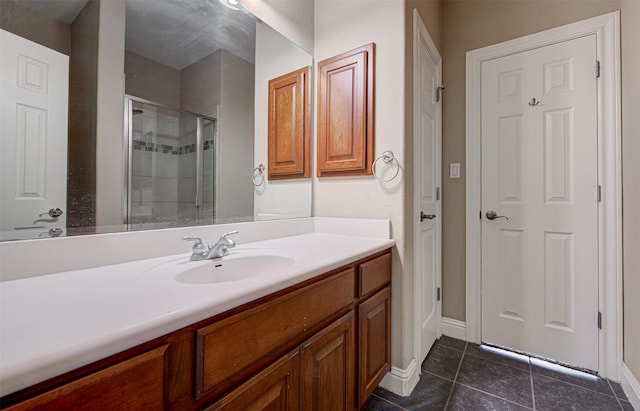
[492,215]
[55,212]
[53,232]
[427,216]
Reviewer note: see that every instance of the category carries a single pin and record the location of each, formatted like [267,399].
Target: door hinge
[437,193]
[480,214]
[439,93]
[599,320]
[597,69]
[599,193]
[438,294]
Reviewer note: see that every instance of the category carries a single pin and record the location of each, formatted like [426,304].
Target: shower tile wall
[154,176]
[164,167]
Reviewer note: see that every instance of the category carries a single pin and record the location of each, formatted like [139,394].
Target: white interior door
[427,120]
[33,145]
[540,169]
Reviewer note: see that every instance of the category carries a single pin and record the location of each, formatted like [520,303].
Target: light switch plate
[454,170]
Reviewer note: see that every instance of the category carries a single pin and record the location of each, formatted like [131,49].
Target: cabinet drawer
[229,350]
[374,274]
[134,384]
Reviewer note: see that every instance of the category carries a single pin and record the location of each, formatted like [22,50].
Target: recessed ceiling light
[232,4]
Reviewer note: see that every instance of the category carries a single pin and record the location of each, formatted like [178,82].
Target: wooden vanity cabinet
[328,368]
[134,384]
[229,349]
[323,344]
[317,375]
[275,388]
[374,348]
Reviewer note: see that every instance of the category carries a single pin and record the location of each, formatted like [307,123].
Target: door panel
[33,145]
[427,183]
[539,169]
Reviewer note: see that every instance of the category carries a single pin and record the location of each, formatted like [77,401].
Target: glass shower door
[171,167]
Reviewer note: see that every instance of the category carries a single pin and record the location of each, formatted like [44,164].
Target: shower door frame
[128,155]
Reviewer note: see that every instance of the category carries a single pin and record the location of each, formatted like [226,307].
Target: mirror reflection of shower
[171,166]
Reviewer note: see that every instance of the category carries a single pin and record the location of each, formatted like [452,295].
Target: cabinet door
[134,384]
[345,113]
[289,125]
[277,388]
[328,368]
[374,351]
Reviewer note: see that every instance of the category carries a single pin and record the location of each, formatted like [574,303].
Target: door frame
[420,31]
[607,30]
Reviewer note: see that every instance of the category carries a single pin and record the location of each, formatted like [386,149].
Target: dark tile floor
[463,376]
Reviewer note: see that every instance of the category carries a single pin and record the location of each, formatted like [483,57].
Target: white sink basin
[237,266]
[234,269]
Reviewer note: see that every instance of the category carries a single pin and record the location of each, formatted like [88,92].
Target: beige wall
[234,192]
[109,109]
[630,11]
[468,25]
[151,80]
[221,86]
[35,26]
[200,85]
[293,18]
[83,70]
[342,25]
[275,56]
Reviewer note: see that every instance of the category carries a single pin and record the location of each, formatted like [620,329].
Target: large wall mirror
[138,114]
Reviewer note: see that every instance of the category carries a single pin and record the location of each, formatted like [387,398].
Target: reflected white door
[427,182]
[540,169]
[33,141]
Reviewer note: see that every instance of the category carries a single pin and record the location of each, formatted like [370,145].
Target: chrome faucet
[217,250]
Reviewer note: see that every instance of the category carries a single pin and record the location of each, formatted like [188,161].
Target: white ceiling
[176,33]
[62,10]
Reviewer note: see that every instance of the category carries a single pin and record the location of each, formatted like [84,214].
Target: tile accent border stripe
[630,385]
[454,328]
[169,149]
[402,381]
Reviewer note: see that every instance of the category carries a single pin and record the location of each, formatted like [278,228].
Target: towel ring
[258,175]
[387,157]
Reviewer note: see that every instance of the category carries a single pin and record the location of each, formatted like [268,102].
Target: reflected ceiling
[156,28]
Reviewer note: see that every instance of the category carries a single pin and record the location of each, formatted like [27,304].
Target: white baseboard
[454,328]
[631,386]
[402,381]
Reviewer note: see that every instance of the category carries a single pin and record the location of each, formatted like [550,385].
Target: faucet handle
[198,246]
[225,237]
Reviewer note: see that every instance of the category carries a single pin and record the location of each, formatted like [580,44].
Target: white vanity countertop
[55,323]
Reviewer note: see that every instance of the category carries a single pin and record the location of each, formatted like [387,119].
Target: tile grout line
[615,395]
[494,396]
[390,402]
[455,378]
[580,386]
[533,394]
[436,375]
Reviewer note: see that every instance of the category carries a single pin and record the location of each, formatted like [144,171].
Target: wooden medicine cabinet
[345,113]
[288,139]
